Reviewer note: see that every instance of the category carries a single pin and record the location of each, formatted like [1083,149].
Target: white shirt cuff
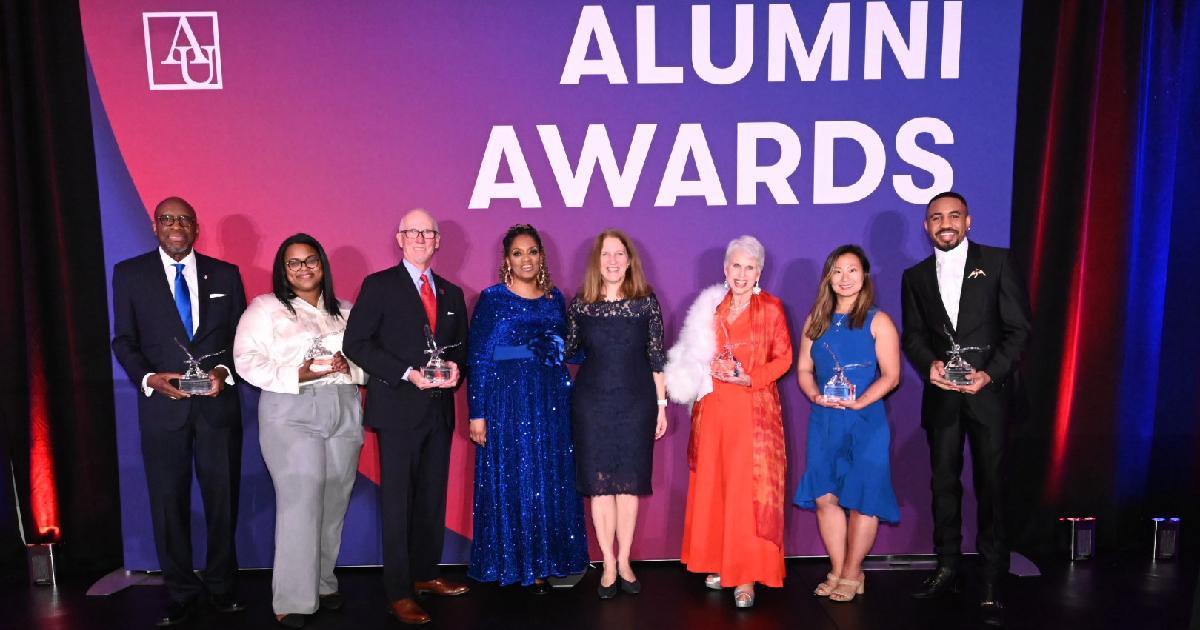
[228,373]
[146,391]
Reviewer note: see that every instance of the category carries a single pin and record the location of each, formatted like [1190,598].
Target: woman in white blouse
[310,421]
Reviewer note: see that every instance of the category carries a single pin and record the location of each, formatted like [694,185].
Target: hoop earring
[757,289]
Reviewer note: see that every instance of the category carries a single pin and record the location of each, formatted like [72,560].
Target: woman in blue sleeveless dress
[528,515]
[847,478]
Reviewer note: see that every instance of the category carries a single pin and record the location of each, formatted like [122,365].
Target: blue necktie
[183,299]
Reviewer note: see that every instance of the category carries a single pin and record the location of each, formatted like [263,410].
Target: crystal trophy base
[842,391]
[436,372]
[959,375]
[195,385]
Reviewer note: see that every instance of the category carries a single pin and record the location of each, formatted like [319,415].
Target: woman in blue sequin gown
[847,477]
[528,515]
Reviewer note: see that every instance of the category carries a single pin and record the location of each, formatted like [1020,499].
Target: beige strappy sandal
[847,589]
[825,588]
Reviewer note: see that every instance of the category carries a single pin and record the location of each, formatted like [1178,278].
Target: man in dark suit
[970,294]
[412,416]
[169,297]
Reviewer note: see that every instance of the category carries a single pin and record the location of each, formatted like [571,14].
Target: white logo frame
[215,80]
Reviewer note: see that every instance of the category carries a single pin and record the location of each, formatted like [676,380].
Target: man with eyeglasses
[413,416]
[164,301]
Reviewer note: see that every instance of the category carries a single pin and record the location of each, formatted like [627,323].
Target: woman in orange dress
[735,345]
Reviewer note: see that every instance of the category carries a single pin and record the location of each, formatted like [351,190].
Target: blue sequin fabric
[528,515]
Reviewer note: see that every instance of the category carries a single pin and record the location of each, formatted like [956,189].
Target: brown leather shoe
[408,611]
[445,588]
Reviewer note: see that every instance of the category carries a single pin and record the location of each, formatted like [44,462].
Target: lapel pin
[976,273]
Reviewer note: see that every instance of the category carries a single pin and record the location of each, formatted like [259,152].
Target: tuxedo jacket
[146,326]
[993,313]
[385,335]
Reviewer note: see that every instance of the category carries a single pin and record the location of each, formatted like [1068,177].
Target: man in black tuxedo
[972,294]
[162,299]
[412,416]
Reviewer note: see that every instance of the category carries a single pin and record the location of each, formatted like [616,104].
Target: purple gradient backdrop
[335,119]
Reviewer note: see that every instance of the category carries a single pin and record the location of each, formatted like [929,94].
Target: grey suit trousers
[311,442]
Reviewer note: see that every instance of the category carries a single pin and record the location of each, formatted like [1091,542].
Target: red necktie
[430,303]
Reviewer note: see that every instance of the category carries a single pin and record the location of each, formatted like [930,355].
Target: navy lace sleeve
[574,352]
[654,345]
[481,346]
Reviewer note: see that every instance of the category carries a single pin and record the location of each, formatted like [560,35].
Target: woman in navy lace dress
[615,330]
[528,514]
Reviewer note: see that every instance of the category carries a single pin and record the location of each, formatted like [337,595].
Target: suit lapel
[971,287]
[157,277]
[409,293]
[439,295]
[934,295]
[202,292]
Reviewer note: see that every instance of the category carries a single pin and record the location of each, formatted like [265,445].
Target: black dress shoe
[175,614]
[227,603]
[633,588]
[332,601]
[943,581]
[293,620]
[539,588]
[607,592]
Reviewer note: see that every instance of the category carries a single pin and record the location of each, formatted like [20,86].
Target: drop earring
[757,289]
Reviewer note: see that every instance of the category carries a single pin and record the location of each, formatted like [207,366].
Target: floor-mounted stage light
[1166,537]
[1081,534]
[41,564]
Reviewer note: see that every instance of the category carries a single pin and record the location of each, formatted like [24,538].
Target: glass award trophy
[840,388]
[725,362]
[958,370]
[437,369]
[321,357]
[195,380]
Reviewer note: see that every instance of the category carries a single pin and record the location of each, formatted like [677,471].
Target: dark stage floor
[1113,593]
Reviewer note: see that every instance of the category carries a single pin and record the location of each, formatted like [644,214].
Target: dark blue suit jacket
[147,324]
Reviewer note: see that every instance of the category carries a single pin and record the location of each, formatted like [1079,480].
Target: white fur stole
[689,361]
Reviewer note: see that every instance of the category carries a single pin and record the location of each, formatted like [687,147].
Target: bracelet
[662,402]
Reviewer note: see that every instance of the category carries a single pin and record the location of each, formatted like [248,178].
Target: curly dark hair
[544,282]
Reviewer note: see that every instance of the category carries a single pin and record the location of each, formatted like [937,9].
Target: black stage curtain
[1105,220]
[57,370]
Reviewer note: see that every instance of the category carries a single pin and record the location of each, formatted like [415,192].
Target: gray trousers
[311,443]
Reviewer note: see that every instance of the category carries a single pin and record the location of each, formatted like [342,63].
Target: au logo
[183,50]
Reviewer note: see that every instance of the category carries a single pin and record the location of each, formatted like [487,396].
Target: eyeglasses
[414,233]
[312,262]
[168,220]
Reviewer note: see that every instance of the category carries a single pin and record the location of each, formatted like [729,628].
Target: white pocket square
[212,296]
[449,312]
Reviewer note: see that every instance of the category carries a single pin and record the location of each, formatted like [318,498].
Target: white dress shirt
[193,283]
[271,342]
[950,268]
